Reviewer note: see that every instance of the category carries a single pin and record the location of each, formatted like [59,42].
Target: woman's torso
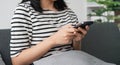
[43,25]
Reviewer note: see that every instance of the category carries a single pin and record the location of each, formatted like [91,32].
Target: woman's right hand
[64,35]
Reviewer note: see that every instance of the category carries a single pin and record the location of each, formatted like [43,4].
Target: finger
[79,35]
[69,35]
[83,31]
[69,38]
[71,30]
[87,28]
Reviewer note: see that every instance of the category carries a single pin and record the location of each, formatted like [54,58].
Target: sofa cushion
[103,41]
[1,61]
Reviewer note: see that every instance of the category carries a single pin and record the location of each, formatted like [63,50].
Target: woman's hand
[64,35]
[80,34]
[78,37]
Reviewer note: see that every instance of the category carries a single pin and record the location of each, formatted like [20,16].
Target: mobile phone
[82,25]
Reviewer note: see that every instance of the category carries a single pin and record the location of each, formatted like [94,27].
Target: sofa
[102,41]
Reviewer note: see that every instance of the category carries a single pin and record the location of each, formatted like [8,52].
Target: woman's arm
[77,45]
[29,55]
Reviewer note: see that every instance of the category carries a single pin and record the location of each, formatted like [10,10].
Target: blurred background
[104,11]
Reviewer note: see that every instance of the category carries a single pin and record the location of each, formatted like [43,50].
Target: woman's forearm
[77,45]
[27,56]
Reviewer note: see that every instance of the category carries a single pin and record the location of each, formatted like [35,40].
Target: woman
[41,31]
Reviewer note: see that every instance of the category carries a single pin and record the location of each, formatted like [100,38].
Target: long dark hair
[59,5]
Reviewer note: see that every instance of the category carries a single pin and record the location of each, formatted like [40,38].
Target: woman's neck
[48,5]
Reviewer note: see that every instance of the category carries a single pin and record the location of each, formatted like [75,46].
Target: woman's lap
[71,58]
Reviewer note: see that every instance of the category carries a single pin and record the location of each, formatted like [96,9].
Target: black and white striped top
[29,27]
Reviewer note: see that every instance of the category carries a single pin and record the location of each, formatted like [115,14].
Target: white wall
[79,7]
[8,6]
[6,12]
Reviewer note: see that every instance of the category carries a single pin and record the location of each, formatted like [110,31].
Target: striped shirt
[29,27]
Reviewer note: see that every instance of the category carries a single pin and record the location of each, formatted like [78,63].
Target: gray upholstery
[1,61]
[4,45]
[103,41]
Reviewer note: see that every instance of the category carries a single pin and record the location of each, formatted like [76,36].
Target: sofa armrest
[4,46]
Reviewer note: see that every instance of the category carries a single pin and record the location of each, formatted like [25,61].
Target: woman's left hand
[80,34]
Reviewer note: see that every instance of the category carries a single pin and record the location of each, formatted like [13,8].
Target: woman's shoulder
[25,5]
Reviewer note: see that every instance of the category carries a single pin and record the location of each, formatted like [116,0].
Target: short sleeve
[21,30]
[74,17]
